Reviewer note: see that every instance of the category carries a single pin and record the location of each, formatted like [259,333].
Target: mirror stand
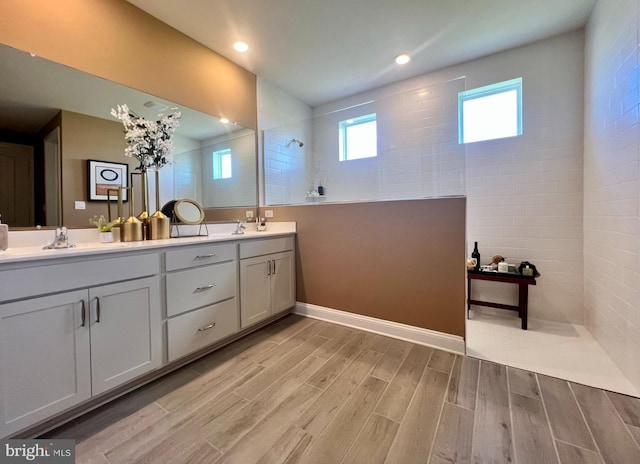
[175,227]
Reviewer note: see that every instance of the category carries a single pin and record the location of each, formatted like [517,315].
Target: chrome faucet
[240,227]
[61,240]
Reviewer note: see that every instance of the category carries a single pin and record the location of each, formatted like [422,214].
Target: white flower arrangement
[148,141]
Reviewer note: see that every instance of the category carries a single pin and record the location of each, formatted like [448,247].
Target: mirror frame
[183,219]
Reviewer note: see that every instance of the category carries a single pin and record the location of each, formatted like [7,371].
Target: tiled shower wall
[611,182]
[418,151]
[282,117]
[524,194]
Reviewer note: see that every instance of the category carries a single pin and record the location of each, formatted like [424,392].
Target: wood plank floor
[306,391]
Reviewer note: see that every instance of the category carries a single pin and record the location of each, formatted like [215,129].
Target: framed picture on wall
[105,175]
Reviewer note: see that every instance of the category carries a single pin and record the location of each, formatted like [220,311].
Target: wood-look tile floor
[306,391]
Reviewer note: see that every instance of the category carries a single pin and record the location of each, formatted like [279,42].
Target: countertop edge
[31,254]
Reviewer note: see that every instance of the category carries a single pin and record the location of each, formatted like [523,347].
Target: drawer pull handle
[206,287]
[210,255]
[210,326]
[83,315]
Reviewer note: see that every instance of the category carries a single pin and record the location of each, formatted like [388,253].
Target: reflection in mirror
[225,174]
[53,118]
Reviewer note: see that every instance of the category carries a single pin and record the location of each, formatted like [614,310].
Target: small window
[491,112]
[222,164]
[358,138]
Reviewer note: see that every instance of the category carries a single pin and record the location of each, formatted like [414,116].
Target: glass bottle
[476,254]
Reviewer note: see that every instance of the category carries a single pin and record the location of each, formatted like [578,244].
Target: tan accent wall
[228,214]
[400,261]
[115,40]
[82,138]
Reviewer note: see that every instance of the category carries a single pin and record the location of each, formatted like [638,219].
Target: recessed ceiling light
[224,120]
[403,58]
[241,47]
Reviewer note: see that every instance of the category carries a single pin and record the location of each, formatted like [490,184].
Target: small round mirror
[188,211]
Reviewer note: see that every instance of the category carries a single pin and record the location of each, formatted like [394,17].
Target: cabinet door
[255,290]
[283,286]
[44,358]
[126,332]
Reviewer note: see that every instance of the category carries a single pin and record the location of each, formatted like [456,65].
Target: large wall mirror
[53,118]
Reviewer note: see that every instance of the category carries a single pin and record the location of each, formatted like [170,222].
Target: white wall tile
[612,179]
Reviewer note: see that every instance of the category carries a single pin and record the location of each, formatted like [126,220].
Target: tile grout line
[513,435]
[435,434]
[363,426]
[546,415]
[578,446]
[575,398]
[626,426]
[214,447]
[285,373]
[160,406]
[364,378]
[413,395]
[475,406]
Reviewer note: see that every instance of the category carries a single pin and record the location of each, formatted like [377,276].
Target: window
[222,164]
[491,112]
[358,138]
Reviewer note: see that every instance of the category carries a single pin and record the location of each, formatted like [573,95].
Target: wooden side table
[522,282]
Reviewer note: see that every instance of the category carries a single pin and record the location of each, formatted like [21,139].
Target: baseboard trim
[439,340]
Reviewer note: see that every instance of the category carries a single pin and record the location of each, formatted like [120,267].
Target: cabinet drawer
[193,331]
[202,286]
[57,277]
[267,246]
[200,256]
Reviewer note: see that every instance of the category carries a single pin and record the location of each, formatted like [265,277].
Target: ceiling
[323,50]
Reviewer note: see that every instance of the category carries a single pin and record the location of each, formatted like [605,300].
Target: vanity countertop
[30,243]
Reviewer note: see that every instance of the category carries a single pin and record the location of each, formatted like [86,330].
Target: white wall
[612,182]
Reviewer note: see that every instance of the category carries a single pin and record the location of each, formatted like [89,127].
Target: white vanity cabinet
[80,326]
[125,323]
[61,349]
[201,296]
[45,364]
[267,278]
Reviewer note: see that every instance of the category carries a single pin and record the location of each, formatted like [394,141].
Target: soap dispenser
[4,235]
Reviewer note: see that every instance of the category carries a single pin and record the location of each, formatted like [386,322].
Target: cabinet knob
[210,326]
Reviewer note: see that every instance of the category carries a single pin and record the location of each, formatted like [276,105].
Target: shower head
[300,144]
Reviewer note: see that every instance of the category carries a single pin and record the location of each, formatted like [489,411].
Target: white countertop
[28,244]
